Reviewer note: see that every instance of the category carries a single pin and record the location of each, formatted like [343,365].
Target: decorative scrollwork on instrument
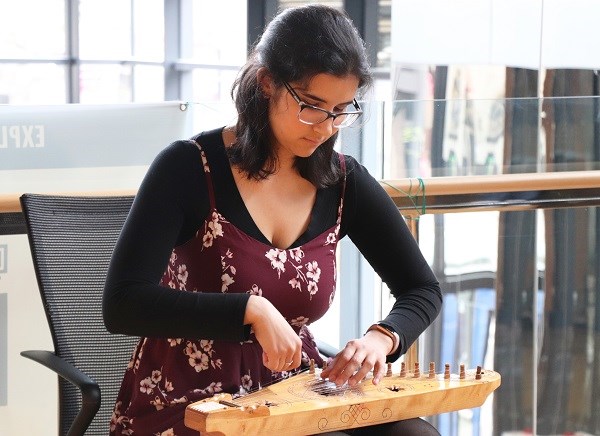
[355,412]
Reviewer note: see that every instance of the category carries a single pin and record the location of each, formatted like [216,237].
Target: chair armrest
[90,391]
[326,349]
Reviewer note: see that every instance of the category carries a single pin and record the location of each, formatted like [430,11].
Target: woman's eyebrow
[320,100]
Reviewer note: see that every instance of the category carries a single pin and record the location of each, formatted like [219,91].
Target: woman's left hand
[358,358]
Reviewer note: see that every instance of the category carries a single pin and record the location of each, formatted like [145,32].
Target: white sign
[86,136]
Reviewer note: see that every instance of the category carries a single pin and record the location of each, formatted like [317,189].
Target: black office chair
[71,240]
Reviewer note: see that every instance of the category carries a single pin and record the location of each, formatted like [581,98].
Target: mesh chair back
[72,239]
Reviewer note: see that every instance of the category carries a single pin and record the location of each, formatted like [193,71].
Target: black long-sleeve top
[172,203]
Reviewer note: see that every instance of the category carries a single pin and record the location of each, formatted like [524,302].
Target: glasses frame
[303,105]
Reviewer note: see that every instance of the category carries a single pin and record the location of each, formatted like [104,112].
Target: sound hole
[395,388]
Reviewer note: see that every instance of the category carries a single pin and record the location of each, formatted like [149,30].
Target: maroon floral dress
[165,375]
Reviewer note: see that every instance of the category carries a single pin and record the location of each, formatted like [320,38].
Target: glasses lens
[313,115]
[310,115]
[345,120]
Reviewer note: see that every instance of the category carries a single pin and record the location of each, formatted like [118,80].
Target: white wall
[514,33]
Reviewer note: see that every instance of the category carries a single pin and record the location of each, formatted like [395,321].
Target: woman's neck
[285,162]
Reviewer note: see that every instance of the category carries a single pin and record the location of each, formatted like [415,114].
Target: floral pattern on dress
[134,362]
[278,258]
[177,273]
[212,229]
[307,275]
[245,384]
[199,358]
[228,271]
[332,237]
[255,290]
[118,419]
[299,322]
[211,389]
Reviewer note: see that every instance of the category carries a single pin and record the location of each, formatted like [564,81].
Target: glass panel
[32,28]
[149,29]
[477,137]
[105,29]
[149,83]
[32,84]
[214,42]
[473,251]
[534,319]
[105,83]
[568,388]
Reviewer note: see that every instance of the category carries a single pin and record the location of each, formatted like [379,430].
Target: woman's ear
[265,81]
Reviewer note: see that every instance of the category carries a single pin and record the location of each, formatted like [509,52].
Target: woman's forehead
[329,88]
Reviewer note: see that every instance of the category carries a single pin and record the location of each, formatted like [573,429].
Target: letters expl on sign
[22,136]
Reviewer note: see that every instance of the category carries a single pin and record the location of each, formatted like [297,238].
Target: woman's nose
[325,128]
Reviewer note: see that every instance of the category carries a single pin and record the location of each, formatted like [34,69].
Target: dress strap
[209,183]
[343,168]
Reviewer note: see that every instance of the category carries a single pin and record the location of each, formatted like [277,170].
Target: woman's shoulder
[353,167]
[209,138]
[183,150]
[349,161]
[358,177]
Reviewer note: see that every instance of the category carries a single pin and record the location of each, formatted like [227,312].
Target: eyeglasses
[309,114]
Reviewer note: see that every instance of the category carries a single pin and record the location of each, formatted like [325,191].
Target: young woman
[229,250]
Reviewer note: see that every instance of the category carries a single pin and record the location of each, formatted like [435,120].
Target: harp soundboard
[306,404]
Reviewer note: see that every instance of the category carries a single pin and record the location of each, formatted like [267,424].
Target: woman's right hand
[282,347]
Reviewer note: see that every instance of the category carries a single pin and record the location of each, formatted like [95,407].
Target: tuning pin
[478,373]
[462,371]
[447,371]
[389,370]
[312,366]
[403,369]
[417,372]
[431,369]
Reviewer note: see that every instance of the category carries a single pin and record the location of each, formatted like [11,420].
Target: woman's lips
[314,141]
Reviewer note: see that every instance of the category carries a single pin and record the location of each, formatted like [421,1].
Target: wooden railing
[9,203]
[415,196]
[504,192]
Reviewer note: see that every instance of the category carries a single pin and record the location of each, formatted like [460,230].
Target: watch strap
[382,328]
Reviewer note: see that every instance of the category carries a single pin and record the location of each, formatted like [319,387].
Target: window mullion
[72,50]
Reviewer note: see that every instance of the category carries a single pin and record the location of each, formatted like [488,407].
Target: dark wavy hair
[296,45]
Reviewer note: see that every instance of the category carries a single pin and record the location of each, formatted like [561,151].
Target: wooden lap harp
[305,404]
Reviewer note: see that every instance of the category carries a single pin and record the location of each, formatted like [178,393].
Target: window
[33,64]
